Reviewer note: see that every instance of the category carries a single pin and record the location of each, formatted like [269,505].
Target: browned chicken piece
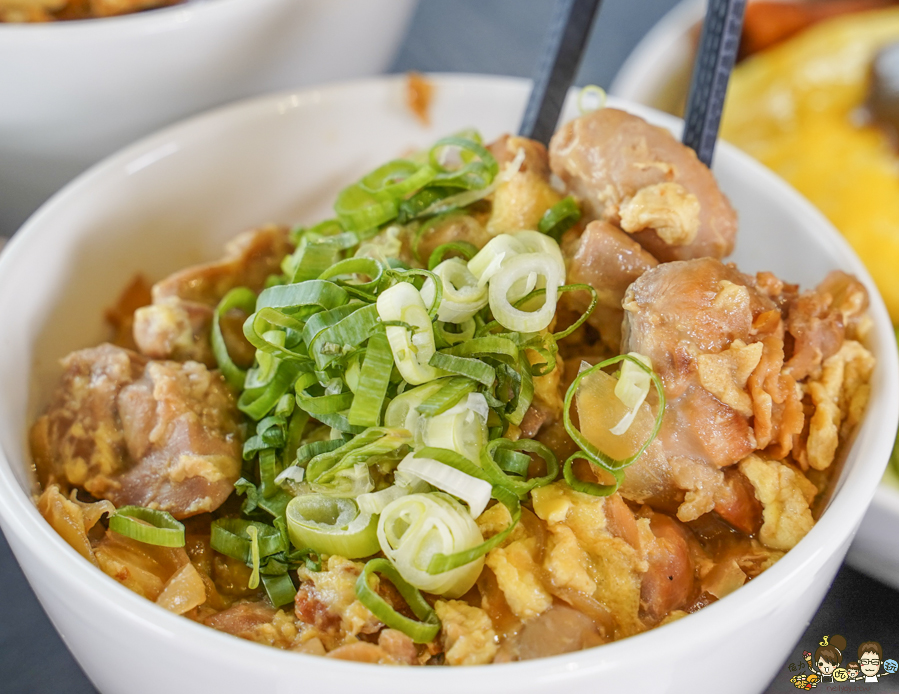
[134,431]
[640,178]
[177,325]
[717,343]
[605,258]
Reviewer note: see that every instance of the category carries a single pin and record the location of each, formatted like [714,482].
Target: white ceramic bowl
[657,74]
[74,92]
[173,199]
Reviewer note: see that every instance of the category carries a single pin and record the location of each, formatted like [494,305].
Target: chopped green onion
[229,536]
[560,218]
[147,525]
[462,297]
[414,528]
[420,632]
[451,391]
[411,352]
[594,299]
[253,534]
[280,589]
[375,441]
[473,491]
[462,428]
[473,369]
[463,248]
[517,269]
[632,389]
[239,298]
[330,525]
[374,378]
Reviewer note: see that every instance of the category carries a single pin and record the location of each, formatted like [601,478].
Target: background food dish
[657,73]
[167,220]
[74,92]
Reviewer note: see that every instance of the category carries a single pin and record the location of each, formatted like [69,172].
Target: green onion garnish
[147,525]
[420,632]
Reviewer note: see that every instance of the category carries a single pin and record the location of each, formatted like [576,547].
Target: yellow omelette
[798,107]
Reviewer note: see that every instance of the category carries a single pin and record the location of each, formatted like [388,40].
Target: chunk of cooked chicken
[639,177]
[134,431]
[608,260]
[717,342]
[177,324]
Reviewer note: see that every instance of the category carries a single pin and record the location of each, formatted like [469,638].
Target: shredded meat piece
[608,260]
[134,431]
[615,162]
[177,325]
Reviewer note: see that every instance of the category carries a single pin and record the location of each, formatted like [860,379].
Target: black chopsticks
[568,32]
[711,73]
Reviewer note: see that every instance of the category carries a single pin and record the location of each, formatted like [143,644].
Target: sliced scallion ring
[147,525]
[420,632]
[329,525]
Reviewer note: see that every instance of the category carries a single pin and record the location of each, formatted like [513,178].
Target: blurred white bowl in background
[74,92]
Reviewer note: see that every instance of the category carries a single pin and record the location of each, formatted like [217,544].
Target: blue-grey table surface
[479,36]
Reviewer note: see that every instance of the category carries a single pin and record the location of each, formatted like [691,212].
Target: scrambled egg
[796,108]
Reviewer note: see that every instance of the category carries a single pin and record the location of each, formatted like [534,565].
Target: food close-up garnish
[507,403]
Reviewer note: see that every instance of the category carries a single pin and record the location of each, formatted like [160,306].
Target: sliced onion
[518,269]
[463,297]
[411,351]
[473,491]
[632,389]
[415,528]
